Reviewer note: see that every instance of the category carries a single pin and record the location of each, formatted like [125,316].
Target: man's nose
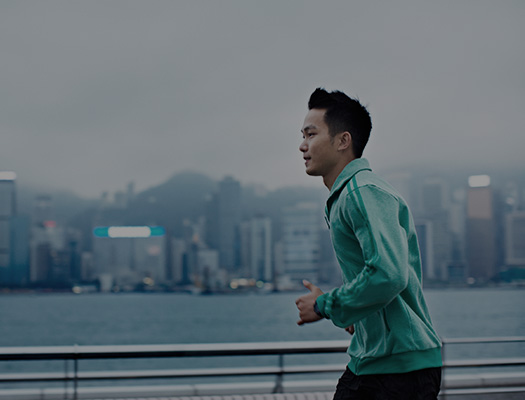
[303,147]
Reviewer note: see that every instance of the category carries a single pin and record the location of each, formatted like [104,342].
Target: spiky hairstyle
[343,114]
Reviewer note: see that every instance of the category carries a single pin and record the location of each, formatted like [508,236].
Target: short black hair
[343,114]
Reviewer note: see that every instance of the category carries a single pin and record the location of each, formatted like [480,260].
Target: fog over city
[98,94]
[159,235]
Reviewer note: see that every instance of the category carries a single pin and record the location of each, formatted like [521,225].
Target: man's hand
[305,304]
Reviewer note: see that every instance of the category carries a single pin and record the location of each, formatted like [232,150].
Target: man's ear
[345,141]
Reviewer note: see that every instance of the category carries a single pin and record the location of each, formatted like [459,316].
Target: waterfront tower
[223,223]
[515,240]
[256,248]
[7,211]
[301,242]
[14,236]
[481,229]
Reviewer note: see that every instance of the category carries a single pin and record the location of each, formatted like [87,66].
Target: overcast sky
[95,94]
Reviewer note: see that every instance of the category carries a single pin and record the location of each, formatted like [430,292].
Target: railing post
[443,386]
[75,381]
[279,380]
[65,378]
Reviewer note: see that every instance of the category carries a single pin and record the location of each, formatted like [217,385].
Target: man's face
[318,147]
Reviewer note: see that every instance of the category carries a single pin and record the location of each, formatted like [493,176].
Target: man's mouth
[306,160]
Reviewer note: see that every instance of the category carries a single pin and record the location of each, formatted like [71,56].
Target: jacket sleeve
[373,215]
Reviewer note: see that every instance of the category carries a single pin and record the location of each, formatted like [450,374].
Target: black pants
[423,384]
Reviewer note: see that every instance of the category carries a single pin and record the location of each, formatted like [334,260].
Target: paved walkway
[284,396]
[324,396]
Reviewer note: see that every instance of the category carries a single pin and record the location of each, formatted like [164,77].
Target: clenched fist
[305,304]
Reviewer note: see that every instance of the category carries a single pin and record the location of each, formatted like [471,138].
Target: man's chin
[311,172]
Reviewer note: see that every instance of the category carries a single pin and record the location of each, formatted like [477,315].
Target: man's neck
[330,178]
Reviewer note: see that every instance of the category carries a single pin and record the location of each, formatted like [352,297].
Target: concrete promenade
[322,396]
[308,390]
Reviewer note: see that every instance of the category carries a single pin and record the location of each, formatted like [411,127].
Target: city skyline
[468,234]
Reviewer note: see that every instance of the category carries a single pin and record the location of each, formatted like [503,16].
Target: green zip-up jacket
[375,243]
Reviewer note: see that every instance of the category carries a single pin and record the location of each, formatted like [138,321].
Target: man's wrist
[317,311]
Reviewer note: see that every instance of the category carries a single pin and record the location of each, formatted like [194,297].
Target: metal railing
[480,382]
[453,384]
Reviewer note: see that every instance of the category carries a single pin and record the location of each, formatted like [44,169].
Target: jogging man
[395,352]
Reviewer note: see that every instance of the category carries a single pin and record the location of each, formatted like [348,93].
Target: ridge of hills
[182,197]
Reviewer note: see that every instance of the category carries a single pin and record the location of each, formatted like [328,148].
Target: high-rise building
[223,223]
[47,241]
[208,270]
[434,208]
[179,270]
[457,213]
[129,255]
[256,252]
[457,217]
[56,256]
[7,210]
[426,248]
[300,241]
[19,258]
[434,195]
[130,192]
[481,229]
[515,239]
[14,236]
[43,210]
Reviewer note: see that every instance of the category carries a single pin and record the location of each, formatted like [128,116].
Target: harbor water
[170,318]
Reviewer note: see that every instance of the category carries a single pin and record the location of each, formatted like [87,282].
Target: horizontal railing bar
[491,379]
[481,340]
[217,372]
[300,369]
[484,362]
[122,375]
[198,350]
[158,351]
[186,373]
[244,371]
[35,377]
[482,391]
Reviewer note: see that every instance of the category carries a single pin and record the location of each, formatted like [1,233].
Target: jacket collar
[352,168]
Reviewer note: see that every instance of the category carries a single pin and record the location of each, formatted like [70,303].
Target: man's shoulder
[370,185]
[358,183]
[370,180]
